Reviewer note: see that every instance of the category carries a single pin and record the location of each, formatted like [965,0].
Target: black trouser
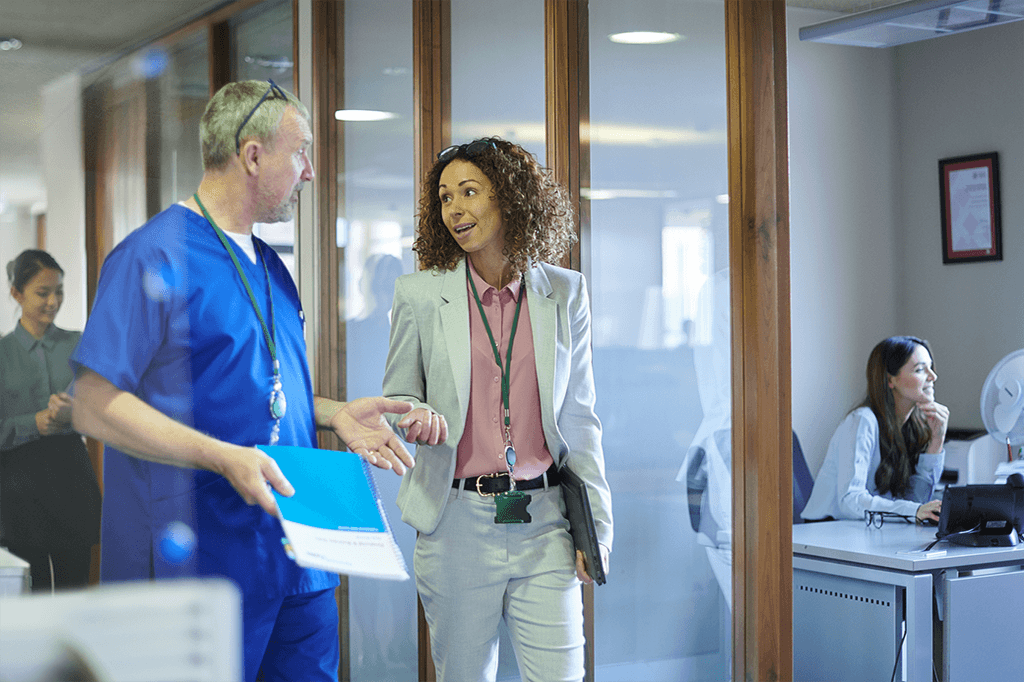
[50,509]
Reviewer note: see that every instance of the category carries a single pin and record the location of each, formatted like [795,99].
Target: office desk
[14,574]
[853,587]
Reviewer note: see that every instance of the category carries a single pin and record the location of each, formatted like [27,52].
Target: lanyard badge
[511,506]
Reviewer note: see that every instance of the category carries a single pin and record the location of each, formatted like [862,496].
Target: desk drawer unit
[983,626]
[844,628]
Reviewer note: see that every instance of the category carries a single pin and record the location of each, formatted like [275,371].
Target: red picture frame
[969,188]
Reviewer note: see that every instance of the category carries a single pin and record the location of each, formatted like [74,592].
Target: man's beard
[284,211]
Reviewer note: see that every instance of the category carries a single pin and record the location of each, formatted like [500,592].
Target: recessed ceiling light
[602,194]
[9,44]
[645,37]
[363,115]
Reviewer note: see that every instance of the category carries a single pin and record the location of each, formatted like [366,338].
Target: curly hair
[900,445]
[535,209]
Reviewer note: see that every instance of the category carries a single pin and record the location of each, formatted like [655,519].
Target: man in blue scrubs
[193,354]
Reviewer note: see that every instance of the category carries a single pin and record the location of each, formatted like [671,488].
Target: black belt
[495,484]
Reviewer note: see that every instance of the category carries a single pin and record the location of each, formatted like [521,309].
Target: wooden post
[759,265]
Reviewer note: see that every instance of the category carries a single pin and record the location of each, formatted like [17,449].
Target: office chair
[697,482]
[803,482]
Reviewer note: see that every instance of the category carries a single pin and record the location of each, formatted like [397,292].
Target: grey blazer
[429,366]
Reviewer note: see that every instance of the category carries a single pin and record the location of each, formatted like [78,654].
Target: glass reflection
[374,231]
[498,89]
[660,297]
[261,49]
[498,72]
[184,92]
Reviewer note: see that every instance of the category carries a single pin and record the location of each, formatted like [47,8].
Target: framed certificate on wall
[969,188]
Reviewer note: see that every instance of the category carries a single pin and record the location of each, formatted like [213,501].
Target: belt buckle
[483,476]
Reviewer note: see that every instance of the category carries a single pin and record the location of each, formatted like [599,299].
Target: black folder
[581,522]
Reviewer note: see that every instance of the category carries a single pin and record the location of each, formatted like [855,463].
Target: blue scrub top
[172,325]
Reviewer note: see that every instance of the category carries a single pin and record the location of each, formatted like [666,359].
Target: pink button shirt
[482,448]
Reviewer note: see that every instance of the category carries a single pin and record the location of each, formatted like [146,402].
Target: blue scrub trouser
[292,639]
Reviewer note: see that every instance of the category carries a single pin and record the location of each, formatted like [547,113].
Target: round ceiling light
[7,44]
[644,37]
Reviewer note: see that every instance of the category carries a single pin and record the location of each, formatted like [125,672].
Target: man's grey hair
[229,107]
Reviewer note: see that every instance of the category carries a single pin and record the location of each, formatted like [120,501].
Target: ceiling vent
[907,22]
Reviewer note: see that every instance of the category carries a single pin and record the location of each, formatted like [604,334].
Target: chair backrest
[803,483]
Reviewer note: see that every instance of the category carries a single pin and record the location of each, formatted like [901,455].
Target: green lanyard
[278,404]
[506,370]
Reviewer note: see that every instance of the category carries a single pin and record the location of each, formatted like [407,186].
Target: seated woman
[887,455]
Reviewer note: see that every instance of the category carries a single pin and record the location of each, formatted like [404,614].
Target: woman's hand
[937,417]
[929,511]
[60,408]
[56,418]
[45,423]
[424,427]
[581,565]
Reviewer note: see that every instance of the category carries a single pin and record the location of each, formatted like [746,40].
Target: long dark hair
[900,444]
[22,269]
[536,209]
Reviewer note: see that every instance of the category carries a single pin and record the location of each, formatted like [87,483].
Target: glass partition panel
[184,92]
[660,333]
[375,226]
[498,71]
[498,90]
[261,49]
[261,44]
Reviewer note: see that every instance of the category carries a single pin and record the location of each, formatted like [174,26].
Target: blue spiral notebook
[335,520]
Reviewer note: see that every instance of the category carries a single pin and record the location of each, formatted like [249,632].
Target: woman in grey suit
[491,344]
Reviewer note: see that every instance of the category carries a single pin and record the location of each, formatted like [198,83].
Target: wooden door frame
[759,267]
[761,376]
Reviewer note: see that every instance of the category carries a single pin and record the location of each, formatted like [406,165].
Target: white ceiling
[60,36]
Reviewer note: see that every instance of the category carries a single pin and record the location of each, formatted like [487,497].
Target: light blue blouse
[845,485]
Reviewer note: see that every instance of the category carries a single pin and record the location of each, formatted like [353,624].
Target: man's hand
[252,472]
[425,427]
[361,425]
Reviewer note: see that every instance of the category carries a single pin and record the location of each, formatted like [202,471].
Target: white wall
[17,233]
[961,95]
[60,149]
[843,214]
[64,176]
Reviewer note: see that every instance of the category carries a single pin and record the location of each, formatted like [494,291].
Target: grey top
[31,371]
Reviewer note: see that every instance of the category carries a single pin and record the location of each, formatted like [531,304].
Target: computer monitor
[983,515]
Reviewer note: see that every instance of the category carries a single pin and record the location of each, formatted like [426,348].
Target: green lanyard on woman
[506,369]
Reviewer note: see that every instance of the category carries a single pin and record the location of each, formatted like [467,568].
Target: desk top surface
[896,545]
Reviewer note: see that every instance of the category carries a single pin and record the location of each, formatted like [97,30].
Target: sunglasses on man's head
[470,149]
[273,92]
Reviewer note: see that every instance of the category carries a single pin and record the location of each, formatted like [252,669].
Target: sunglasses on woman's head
[470,149]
